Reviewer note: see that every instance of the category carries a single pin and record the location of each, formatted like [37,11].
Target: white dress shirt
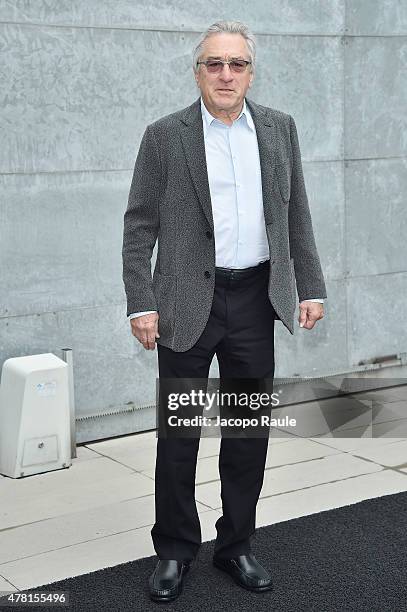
[234,176]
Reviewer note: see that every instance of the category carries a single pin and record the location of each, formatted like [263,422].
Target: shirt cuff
[133,315]
[319,300]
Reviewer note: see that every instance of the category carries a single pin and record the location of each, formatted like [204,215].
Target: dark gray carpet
[347,559]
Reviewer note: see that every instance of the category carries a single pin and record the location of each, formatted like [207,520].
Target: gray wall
[80,81]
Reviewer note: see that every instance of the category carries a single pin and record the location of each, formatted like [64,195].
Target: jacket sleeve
[308,273]
[141,222]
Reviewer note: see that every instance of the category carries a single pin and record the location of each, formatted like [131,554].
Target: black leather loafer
[166,580]
[246,571]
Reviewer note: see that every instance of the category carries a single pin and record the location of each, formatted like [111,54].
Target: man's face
[226,90]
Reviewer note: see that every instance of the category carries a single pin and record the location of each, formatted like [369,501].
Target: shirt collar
[208,118]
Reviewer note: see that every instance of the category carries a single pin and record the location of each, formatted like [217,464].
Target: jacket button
[209,234]
[207,274]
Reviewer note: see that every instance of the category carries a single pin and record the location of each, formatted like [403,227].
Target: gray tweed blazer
[169,200]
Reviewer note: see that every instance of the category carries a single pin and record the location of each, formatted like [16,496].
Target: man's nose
[226,73]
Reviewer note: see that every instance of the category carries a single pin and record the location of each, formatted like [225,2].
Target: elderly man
[220,185]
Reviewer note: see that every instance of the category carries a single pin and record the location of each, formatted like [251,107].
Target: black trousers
[240,330]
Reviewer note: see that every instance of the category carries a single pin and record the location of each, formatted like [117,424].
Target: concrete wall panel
[376,216]
[61,247]
[376,17]
[79,99]
[273,16]
[375,97]
[377,317]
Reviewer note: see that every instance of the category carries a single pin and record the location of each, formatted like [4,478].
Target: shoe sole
[164,598]
[259,589]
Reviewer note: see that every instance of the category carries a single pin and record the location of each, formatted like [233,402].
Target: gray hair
[228,27]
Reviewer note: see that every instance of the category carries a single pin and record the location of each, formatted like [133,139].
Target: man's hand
[145,328]
[310,312]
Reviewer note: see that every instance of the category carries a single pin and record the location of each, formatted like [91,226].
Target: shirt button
[207,274]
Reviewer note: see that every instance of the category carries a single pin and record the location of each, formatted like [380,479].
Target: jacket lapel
[194,147]
[267,143]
